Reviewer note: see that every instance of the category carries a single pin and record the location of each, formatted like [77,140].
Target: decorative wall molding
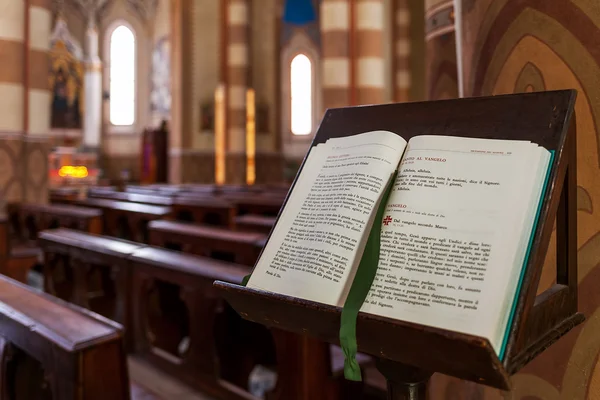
[146,9]
[91,10]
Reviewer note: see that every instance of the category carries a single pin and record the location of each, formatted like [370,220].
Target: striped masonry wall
[370,73]
[40,28]
[237,80]
[12,68]
[335,31]
[12,36]
[401,54]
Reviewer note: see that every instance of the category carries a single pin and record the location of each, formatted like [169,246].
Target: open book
[455,231]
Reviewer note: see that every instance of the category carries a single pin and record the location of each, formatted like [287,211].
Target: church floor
[148,383]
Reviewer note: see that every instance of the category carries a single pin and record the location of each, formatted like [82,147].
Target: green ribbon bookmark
[246,279]
[363,280]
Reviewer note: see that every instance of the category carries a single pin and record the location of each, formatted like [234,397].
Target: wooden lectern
[408,354]
[154,155]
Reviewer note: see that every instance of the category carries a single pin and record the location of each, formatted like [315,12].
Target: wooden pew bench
[240,189]
[28,220]
[183,327]
[64,194]
[239,247]
[175,320]
[198,189]
[94,190]
[255,204]
[208,210]
[126,220]
[91,271]
[15,260]
[51,349]
[193,334]
[254,223]
[155,190]
[153,200]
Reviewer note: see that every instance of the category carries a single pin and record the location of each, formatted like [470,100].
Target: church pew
[254,223]
[15,260]
[183,327]
[203,209]
[91,271]
[233,189]
[51,349]
[94,190]
[155,189]
[64,194]
[29,219]
[194,335]
[198,189]
[141,190]
[153,200]
[257,204]
[239,247]
[174,320]
[126,220]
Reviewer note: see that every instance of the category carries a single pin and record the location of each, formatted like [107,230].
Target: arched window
[122,76]
[301,91]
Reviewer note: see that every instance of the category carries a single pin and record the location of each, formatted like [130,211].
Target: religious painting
[160,96]
[66,80]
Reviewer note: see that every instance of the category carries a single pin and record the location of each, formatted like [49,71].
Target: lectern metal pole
[403,381]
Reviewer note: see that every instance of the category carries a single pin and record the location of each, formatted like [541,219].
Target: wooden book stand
[409,354]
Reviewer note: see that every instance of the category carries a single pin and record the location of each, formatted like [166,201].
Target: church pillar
[92,122]
[237,82]
[401,54]
[335,53]
[12,50]
[440,50]
[39,98]
[24,100]
[370,73]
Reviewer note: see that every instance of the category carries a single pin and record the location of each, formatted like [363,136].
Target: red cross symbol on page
[387,220]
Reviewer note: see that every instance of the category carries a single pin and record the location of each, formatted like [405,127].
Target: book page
[453,232]
[313,249]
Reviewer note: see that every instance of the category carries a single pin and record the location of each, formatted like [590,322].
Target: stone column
[237,80]
[24,91]
[92,122]
[440,50]
[335,27]
[370,73]
[24,100]
[176,123]
[39,101]
[401,55]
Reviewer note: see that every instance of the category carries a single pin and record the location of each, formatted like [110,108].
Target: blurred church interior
[182,123]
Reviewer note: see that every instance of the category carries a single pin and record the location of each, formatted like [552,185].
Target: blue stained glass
[299,12]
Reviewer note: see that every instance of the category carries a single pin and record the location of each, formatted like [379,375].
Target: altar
[68,166]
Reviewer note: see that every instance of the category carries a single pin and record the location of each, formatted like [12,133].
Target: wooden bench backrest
[108,204]
[28,219]
[239,247]
[189,264]
[156,200]
[4,241]
[81,352]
